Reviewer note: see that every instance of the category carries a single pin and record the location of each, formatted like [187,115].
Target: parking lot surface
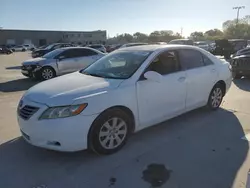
[198,149]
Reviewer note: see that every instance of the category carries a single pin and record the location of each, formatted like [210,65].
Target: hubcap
[47,74]
[113,133]
[216,97]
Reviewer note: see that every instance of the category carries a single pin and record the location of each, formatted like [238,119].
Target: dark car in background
[40,52]
[223,48]
[238,44]
[241,66]
[5,50]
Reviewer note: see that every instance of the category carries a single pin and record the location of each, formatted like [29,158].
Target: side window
[165,63]
[207,61]
[190,59]
[68,54]
[86,52]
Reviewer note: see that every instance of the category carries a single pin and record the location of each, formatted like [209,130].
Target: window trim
[141,77]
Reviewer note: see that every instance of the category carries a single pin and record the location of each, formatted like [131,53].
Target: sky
[119,16]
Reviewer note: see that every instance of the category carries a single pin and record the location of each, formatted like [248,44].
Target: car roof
[181,40]
[157,47]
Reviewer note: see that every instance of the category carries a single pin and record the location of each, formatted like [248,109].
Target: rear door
[201,76]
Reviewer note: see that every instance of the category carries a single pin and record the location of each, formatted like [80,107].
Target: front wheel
[215,97]
[47,73]
[110,132]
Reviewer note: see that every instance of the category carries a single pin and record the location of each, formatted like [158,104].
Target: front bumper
[31,70]
[62,134]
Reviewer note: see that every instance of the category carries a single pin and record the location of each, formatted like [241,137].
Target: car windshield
[52,54]
[118,65]
[49,47]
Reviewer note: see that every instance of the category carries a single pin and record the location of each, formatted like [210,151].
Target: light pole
[238,11]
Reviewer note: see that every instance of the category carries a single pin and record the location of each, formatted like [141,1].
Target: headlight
[63,111]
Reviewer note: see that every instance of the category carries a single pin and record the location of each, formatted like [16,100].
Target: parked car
[241,66]
[59,62]
[5,50]
[99,47]
[223,48]
[202,44]
[18,48]
[132,44]
[49,48]
[125,91]
[29,46]
[245,51]
[182,41]
[238,44]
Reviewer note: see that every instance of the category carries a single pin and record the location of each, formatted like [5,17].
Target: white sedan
[126,91]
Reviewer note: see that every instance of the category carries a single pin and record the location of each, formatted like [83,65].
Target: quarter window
[165,63]
[190,59]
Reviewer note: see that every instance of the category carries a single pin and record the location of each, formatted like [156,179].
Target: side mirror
[153,76]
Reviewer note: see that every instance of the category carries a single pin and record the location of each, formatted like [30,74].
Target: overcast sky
[119,16]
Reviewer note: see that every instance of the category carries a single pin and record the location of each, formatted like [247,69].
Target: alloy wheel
[216,97]
[112,133]
[47,74]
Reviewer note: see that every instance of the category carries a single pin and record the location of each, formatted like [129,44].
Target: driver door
[159,101]
[68,61]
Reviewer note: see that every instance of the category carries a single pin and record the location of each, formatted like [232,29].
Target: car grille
[27,111]
[241,63]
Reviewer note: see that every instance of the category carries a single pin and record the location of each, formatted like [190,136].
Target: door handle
[182,79]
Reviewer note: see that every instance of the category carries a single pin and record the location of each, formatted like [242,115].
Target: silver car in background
[202,44]
[60,61]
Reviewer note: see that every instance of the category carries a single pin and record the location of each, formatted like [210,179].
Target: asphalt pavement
[198,149]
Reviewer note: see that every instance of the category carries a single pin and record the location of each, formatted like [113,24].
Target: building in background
[40,38]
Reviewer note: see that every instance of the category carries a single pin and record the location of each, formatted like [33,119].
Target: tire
[237,76]
[47,73]
[111,134]
[215,97]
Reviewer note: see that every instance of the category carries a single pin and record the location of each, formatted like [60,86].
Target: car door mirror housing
[153,76]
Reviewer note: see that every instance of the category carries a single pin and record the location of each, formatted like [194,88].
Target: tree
[140,37]
[240,30]
[196,36]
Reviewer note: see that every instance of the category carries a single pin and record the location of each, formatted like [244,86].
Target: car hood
[65,90]
[34,61]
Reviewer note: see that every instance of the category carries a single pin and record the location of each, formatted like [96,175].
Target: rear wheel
[110,131]
[215,97]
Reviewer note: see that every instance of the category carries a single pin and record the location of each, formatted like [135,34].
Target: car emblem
[20,104]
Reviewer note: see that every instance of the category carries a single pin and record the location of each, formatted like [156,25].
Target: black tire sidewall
[44,68]
[93,139]
[209,104]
